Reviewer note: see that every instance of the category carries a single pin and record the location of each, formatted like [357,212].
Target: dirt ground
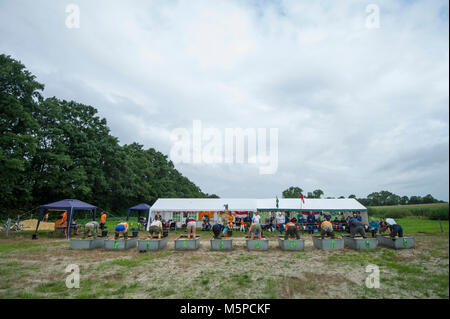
[36,269]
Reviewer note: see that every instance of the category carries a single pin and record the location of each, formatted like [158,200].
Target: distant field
[413,206]
[429,211]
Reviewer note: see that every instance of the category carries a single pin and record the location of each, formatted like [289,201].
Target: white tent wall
[173,208]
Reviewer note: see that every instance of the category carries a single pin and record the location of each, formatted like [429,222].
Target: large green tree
[292,192]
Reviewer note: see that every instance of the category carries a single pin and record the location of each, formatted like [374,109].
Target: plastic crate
[154,244]
[120,244]
[359,243]
[397,242]
[291,244]
[183,243]
[86,244]
[328,243]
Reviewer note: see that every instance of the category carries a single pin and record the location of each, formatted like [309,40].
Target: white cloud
[353,105]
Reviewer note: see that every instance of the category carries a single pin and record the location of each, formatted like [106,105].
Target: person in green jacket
[373,226]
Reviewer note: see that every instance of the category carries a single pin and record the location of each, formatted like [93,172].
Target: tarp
[140,208]
[69,205]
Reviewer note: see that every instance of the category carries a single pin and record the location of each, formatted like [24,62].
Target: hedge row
[433,212]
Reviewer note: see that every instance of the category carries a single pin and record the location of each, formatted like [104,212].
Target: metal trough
[258,244]
[397,242]
[291,244]
[328,243]
[86,243]
[359,243]
[221,244]
[120,244]
[154,244]
[182,243]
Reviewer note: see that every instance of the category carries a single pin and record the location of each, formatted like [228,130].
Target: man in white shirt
[256,218]
[155,228]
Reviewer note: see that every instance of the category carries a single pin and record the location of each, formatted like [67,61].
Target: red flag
[303,200]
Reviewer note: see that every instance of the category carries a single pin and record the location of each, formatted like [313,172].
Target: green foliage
[292,192]
[52,149]
[435,212]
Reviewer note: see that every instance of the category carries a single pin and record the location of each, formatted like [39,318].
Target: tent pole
[69,223]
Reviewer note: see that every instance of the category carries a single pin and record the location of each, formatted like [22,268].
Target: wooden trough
[291,244]
[154,244]
[328,243]
[359,243]
[258,244]
[221,244]
[397,242]
[120,244]
[86,244]
[183,243]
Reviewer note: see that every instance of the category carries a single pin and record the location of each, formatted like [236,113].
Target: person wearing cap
[191,227]
[91,229]
[155,228]
[121,229]
[356,227]
[291,229]
[326,228]
[103,220]
[394,228]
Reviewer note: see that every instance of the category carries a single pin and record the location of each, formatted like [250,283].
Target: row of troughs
[226,244]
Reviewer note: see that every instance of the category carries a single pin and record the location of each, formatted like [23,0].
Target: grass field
[36,269]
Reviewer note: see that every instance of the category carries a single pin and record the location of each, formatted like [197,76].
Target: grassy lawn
[36,269]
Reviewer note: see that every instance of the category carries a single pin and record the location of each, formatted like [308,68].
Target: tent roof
[253,204]
[69,203]
[141,206]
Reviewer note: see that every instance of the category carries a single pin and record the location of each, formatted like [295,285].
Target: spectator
[280,222]
[310,220]
[373,226]
[382,227]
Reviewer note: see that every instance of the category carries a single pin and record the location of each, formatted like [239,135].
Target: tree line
[51,149]
[382,198]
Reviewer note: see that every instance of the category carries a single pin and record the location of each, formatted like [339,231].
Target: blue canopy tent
[140,208]
[69,205]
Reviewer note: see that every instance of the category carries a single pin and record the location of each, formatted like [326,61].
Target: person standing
[382,227]
[191,226]
[280,222]
[310,220]
[103,220]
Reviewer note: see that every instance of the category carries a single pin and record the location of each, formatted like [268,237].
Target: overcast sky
[357,109]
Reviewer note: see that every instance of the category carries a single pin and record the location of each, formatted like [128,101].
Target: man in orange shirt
[64,217]
[326,229]
[102,220]
[291,229]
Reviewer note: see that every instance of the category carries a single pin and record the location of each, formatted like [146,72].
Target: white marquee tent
[172,208]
